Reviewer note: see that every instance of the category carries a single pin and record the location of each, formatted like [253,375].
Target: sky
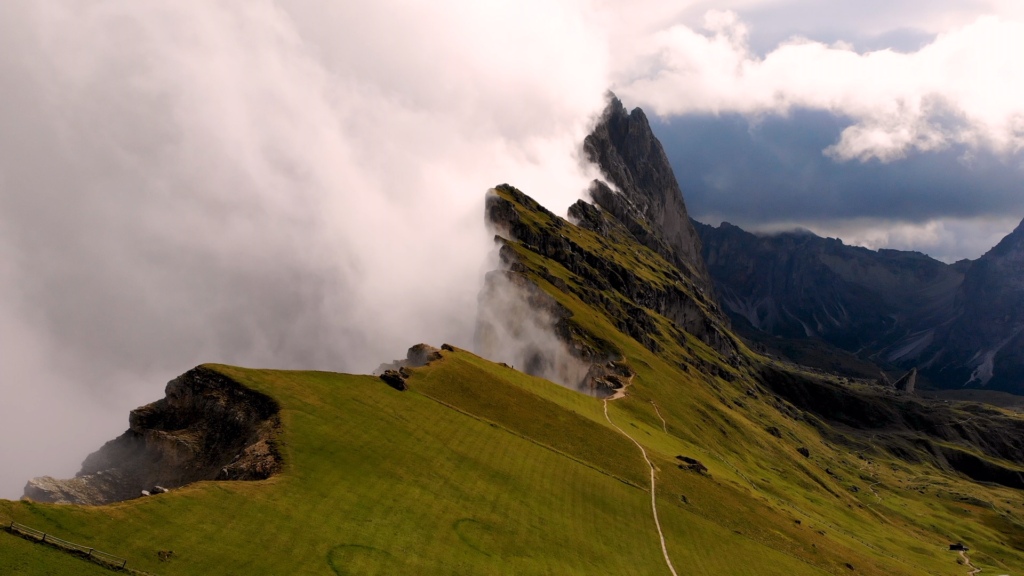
[300,183]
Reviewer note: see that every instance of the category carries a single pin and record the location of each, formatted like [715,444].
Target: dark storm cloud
[773,170]
[771,173]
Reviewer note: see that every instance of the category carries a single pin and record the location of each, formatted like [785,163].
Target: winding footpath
[967,562]
[654,504]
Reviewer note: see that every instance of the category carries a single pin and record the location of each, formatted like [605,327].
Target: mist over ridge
[298,184]
[243,186]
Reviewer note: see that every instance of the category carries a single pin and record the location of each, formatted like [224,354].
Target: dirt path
[967,562]
[664,425]
[654,503]
[875,492]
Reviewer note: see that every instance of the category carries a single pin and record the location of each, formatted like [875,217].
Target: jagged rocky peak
[641,190]
[613,274]
[207,427]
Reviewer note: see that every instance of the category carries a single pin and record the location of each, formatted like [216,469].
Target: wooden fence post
[90,553]
[123,564]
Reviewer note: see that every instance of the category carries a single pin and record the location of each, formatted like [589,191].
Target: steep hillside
[668,448]
[477,468]
[961,325]
[644,195]
[983,345]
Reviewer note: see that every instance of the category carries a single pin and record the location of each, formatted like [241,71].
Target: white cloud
[299,183]
[285,184]
[948,239]
[960,89]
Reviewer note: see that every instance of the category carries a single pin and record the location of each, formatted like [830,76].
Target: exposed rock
[521,325]
[907,383]
[983,344]
[421,355]
[606,379]
[648,202]
[207,427]
[804,451]
[883,380]
[395,379]
[417,355]
[678,298]
[692,464]
[796,285]
[960,325]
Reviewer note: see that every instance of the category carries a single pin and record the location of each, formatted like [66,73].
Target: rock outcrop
[907,383]
[394,373]
[417,355]
[603,274]
[208,427]
[643,193]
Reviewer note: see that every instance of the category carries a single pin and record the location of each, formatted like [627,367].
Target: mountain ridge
[711,456]
[959,323]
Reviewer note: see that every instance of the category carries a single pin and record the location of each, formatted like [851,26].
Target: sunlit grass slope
[480,469]
[385,482]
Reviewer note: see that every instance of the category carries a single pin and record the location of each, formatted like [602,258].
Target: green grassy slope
[480,469]
[20,557]
[385,482]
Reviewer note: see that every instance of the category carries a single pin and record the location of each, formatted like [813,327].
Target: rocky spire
[640,189]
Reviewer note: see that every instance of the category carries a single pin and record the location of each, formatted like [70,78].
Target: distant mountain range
[960,325]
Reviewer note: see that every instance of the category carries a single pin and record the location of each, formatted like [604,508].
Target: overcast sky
[299,183]
[888,124]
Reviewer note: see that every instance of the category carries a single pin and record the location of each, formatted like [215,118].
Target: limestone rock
[206,427]
[648,201]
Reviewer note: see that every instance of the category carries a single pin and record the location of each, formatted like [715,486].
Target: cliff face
[648,203]
[798,285]
[605,268]
[983,344]
[960,324]
[208,427]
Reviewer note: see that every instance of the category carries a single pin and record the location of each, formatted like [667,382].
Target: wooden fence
[84,551]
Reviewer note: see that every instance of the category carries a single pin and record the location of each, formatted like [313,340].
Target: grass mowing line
[654,504]
[531,440]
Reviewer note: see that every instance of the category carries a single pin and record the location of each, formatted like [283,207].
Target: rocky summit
[640,190]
